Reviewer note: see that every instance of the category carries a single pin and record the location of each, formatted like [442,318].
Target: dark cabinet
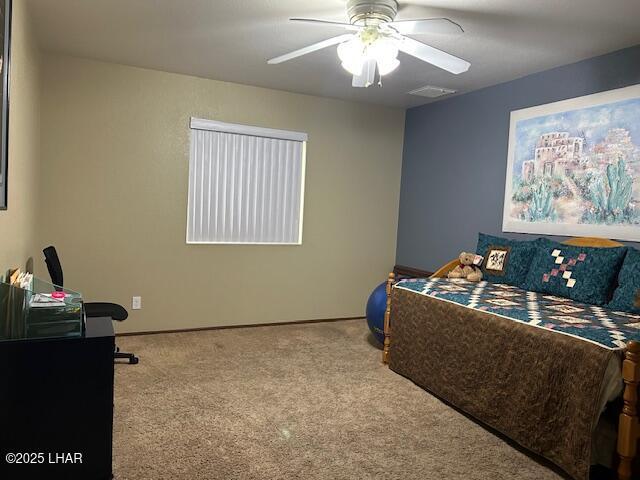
[56,406]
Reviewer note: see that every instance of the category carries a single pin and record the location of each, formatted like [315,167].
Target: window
[246,184]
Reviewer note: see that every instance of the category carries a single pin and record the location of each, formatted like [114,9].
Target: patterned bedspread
[591,323]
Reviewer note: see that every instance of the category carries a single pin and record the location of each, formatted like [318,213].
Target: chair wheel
[134,361]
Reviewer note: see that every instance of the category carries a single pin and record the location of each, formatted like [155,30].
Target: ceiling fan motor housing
[371,12]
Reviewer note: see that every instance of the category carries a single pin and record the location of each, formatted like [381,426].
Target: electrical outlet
[136,303]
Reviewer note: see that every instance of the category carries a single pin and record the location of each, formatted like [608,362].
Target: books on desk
[20,279]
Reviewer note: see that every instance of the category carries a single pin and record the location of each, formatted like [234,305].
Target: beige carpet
[291,402]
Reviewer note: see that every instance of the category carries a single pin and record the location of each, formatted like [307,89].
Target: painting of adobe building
[574,167]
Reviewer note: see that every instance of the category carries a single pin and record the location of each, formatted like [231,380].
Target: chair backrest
[53,265]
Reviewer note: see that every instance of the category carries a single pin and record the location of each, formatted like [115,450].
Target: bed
[566,366]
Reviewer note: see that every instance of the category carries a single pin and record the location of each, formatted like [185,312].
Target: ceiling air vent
[430,91]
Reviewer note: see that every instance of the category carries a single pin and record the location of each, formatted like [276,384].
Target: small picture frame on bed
[496,259]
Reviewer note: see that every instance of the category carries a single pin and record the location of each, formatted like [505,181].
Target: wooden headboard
[593,242]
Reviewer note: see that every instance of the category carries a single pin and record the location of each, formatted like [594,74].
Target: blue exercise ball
[376,306]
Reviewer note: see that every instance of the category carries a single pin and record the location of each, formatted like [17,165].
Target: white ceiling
[232,39]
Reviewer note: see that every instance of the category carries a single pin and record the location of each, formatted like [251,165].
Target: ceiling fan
[375,40]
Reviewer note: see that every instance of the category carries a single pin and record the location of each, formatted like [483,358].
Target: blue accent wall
[455,155]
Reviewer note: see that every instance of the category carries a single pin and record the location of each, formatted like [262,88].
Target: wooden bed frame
[628,426]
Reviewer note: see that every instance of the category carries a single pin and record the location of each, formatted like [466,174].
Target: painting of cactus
[573,167]
[611,195]
[541,206]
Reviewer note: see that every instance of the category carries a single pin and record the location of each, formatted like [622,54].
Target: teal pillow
[584,274]
[626,297]
[505,261]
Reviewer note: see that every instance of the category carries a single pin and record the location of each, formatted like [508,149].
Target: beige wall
[18,223]
[115,165]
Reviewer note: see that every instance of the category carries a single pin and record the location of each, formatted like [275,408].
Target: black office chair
[91,309]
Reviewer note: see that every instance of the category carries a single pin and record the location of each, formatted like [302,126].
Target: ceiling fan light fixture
[383,48]
[385,53]
[387,66]
[354,68]
[352,56]
[355,52]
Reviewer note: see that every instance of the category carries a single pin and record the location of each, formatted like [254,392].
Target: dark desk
[56,406]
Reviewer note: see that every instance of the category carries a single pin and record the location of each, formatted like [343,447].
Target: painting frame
[4,103]
[630,232]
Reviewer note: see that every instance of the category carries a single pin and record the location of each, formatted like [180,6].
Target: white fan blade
[325,23]
[367,76]
[428,25]
[311,48]
[432,55]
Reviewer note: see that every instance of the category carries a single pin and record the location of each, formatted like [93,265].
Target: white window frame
[249,130]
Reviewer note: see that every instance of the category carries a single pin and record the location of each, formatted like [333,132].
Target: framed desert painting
[573,167]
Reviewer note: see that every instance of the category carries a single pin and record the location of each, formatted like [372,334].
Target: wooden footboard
[387,318]
[628,430]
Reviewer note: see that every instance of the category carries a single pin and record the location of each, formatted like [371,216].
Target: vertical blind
[246,184]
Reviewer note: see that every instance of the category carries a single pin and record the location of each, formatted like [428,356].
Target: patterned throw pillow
[626,297]
[505,261]
[584,274]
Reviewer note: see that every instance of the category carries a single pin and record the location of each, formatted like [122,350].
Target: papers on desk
[42,300]
[21,279]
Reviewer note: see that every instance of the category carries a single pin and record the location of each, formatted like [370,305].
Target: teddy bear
[467,268]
